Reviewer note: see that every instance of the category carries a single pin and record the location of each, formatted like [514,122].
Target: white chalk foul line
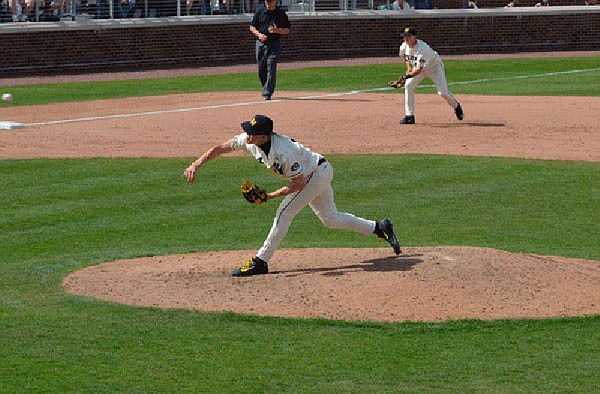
[526,76]
[167,111]
[482,80]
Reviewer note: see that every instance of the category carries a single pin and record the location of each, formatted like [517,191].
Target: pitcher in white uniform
[309,176]
[422,61]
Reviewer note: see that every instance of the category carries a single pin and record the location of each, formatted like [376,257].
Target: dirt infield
[343,124]
[423,283]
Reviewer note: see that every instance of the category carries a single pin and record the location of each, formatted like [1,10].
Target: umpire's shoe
[408,119]
[459,112]
[253,266]
[384,229]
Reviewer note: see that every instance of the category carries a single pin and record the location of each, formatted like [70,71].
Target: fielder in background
[309,176]
[422,61]
[268,25]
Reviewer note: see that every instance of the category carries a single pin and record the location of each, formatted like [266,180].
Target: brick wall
[39,49]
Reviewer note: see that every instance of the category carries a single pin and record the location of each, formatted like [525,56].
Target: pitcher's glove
[254,194]
[399,83]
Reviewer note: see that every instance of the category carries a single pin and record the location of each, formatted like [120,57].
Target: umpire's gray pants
[267,56]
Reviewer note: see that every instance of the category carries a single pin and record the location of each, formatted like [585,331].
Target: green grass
[59,215]
[585,83]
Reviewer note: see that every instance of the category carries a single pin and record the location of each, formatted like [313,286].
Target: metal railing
[81,10]
[58,10]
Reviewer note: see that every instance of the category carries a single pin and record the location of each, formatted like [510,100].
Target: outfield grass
[495,77]
[59,215]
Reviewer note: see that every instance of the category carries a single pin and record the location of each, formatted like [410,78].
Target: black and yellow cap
[258,125]
[409,31]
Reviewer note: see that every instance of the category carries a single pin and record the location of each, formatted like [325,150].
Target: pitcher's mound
[421,284]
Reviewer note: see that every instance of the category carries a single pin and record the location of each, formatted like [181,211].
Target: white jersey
[287,158]
[422,55]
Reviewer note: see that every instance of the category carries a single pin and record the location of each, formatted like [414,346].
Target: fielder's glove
[254,194]
[399,83]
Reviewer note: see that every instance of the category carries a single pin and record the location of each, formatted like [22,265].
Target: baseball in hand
[7,97]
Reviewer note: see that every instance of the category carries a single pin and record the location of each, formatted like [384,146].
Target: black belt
[321,161]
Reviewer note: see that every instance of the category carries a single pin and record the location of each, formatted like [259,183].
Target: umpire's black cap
[409,31]
[258,125]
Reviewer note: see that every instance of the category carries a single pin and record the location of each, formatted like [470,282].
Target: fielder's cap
[258,125]
[409,31]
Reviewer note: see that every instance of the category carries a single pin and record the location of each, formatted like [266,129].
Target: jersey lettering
[278,168]
[287,159]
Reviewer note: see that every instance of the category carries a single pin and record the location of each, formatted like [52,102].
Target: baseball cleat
[408,119]
[385,230]
[459,112]
[253,266]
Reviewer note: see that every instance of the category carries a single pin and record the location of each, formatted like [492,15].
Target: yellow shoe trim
[248,265]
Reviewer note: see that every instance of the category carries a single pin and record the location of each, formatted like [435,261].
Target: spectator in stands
[14,9]
[268,25]
[188,7]
[214,6]
[229,6]
[421,4]
[51,10]
[125,7]
[469,4]
[249,6]
[399,5]
[21,9]
[122,8]
[205,7]
[59,7]
[5,11]
[590,2]
[513,3]
[101,9]
[543,3]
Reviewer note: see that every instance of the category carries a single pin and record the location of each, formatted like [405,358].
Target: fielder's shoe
[267,98]
[385,230]
[459,112]
[408,119]
[253,266]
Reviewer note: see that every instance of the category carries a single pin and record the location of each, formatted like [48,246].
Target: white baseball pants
[317,193]
[438,76]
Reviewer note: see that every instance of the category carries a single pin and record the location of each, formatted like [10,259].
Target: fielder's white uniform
[422,55]
[289,159]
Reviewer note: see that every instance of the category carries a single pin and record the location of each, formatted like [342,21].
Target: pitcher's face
[257,139]
[411,41]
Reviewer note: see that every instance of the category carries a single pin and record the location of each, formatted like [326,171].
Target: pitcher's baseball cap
[258,125]
[409,31]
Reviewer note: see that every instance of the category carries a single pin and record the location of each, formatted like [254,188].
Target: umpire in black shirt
[268,25]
